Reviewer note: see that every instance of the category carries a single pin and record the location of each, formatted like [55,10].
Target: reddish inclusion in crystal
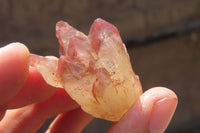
[95,70]
[95,30]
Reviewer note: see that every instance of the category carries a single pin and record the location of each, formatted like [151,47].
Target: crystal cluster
[95,70]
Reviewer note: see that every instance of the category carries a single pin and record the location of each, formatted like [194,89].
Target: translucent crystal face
[95,70]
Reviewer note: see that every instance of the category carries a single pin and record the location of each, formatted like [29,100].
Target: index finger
[13,70]
[34,90]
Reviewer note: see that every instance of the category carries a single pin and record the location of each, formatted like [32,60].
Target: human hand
[28,101]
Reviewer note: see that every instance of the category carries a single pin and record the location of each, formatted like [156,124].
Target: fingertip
[22,47]
[13,47]
[13,69]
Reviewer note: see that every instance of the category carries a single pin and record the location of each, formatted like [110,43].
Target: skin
[26,101]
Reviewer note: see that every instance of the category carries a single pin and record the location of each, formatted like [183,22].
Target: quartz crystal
[95,70]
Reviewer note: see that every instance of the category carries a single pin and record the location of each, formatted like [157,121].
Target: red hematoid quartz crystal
[95,70]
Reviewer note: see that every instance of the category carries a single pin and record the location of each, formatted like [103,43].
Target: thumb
[151,113]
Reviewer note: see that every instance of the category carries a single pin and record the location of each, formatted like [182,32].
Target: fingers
[28,119]
[34,90]
[151,113]
[13,70]
[60,102]
[72,122]
[21,120]
[21,86]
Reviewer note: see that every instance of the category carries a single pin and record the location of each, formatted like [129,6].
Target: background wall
[163,39]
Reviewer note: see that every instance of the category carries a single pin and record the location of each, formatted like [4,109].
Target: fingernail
[162,113]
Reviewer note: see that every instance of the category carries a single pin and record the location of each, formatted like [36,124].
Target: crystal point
[95,70]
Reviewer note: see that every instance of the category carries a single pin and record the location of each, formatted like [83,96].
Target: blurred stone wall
[33,22]
[172,63]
